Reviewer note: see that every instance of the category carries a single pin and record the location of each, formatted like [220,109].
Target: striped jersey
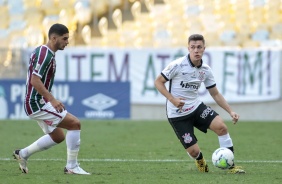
[42,63]
[184,81]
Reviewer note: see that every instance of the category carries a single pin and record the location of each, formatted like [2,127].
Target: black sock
[232,149]
[200,156]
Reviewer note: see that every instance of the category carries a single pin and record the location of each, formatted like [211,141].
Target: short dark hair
[196,37]
[58,29]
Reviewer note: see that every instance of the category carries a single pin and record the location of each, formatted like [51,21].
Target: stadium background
[144,26]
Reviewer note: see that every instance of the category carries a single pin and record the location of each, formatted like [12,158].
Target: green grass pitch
[142,152]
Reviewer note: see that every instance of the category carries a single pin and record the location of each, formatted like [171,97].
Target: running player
[49,112]
[184,108]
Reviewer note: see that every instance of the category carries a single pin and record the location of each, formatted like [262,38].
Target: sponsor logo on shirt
[184,110]
[37,67]
[189,86]
[193,75]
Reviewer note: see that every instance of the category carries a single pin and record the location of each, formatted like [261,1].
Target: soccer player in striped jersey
[185,110]
[41,106]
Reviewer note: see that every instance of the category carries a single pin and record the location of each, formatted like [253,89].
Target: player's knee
[76,125]
[222,130]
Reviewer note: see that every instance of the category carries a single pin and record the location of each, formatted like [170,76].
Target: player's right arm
[160,85]
[40,88]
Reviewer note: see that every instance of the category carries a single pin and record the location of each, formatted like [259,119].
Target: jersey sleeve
[170,71]
[42,61]
[209,81]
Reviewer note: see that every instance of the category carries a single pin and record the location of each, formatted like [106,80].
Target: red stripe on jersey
[28,108]
[43,53]
[55,114]
[28,85]
[49,75]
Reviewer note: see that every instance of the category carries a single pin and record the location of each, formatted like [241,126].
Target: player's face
[62,41]
[196,50]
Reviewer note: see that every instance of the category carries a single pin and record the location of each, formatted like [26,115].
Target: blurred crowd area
[142,23]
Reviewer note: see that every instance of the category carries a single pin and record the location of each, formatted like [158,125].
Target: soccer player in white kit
[184,108]
[41,106]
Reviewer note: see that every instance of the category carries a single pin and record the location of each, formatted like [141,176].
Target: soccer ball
[223,158]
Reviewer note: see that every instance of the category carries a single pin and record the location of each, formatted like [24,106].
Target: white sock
[225,141]
[43,143]
[73,145]
[194,157]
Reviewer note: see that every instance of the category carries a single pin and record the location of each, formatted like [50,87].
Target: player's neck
[197,62]
[50,46]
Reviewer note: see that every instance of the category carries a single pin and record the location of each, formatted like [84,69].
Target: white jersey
[184,81]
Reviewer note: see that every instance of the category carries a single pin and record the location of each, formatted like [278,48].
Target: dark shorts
[183,126]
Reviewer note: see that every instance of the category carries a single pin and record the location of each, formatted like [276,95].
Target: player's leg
[183,128]
[195,153]
[47,119]
[73,126]
[220,128]
[203,116]
[43,143]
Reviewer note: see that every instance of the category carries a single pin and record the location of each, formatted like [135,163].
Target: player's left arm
[220,100]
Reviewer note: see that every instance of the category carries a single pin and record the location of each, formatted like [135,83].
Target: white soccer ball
[223,158]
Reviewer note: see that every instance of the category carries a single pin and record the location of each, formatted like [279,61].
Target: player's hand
[178,102]
[235,117]
[59,106]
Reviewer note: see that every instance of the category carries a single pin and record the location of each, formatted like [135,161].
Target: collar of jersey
[188,57]
[49,49]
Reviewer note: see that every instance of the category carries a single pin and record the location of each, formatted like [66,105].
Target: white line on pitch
[139,160]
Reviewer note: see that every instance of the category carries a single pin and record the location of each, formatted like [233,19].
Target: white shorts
[48,118]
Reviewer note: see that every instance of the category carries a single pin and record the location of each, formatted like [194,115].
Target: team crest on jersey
[41,101]
[187,138]
[201,75]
